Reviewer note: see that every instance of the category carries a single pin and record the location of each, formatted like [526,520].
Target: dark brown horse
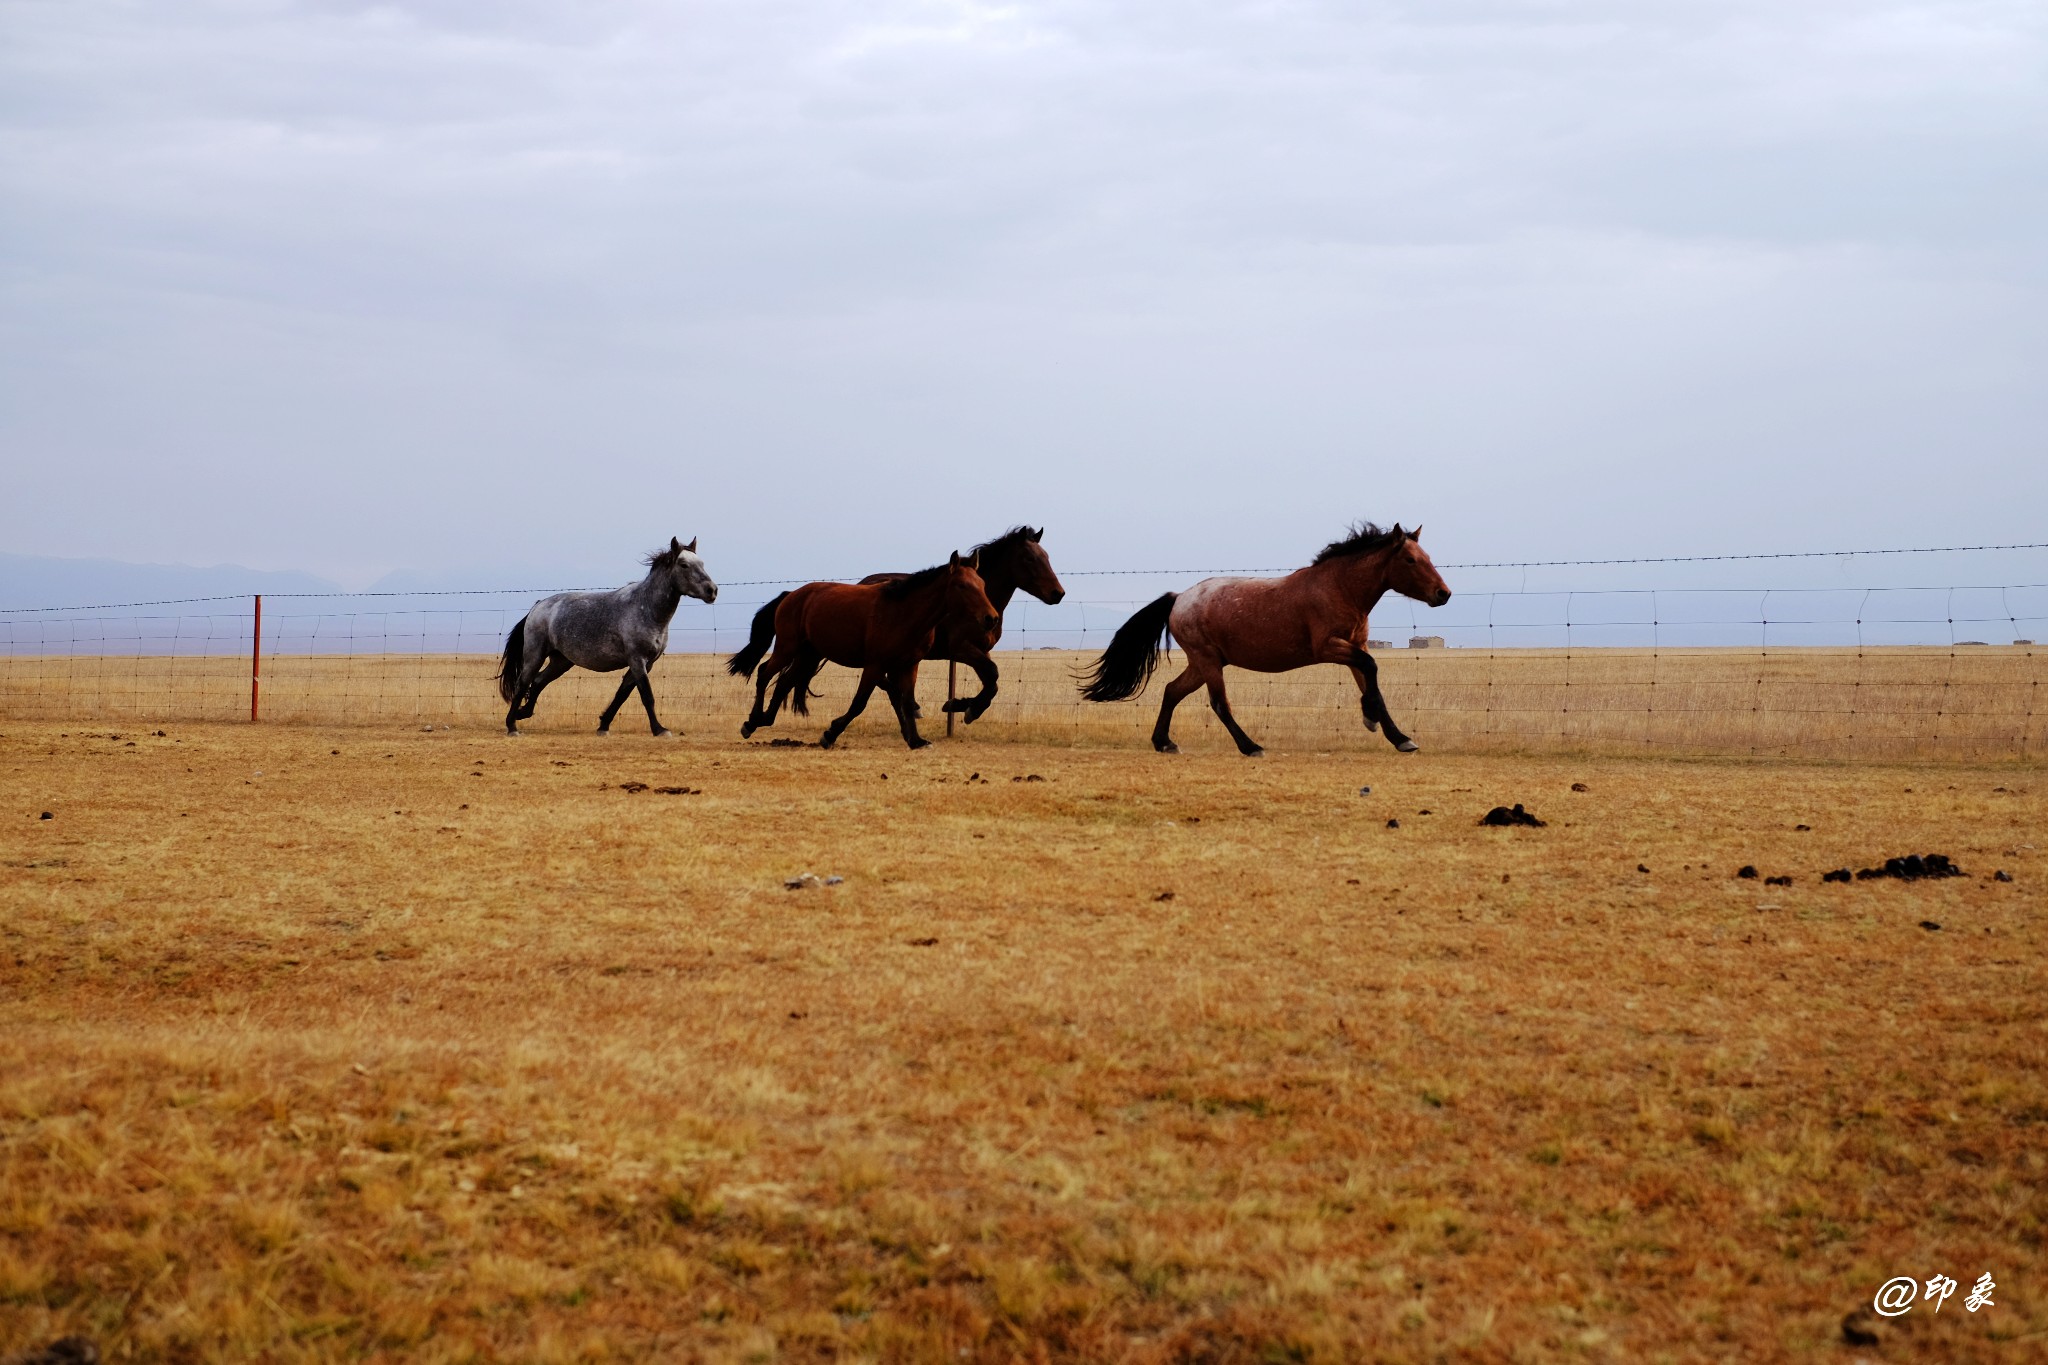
[882,629]
[1314,615]
[1013,560]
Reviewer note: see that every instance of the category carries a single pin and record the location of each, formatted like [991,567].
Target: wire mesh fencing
[1872,672]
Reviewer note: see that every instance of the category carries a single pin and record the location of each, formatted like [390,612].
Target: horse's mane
[665,555]
[895,590]
[1007,540]
[1364,537]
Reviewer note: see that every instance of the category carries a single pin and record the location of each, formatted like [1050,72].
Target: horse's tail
[742,664]
[1126,666]
[512,662]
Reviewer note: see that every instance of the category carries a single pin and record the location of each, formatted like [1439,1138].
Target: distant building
[1425,642]
[1388,644]
[2023,642]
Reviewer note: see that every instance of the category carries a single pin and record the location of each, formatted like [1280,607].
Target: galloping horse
[603,632]
[883,629]
[1011,561]
[1314,615]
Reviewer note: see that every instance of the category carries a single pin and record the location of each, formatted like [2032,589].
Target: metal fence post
[256,659]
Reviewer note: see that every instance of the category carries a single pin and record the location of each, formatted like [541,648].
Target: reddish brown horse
[882,629]
[1013,560]
[1314,615]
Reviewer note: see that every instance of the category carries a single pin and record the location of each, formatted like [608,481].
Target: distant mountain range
[41,581]
[46,581]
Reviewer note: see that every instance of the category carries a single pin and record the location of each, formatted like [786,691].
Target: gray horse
[603,632]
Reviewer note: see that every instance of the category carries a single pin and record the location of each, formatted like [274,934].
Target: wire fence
[1878,672]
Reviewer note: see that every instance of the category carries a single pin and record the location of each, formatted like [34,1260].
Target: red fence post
[256,658]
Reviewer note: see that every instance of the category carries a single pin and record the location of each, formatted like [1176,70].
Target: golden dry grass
[1886,703]
[445,1047]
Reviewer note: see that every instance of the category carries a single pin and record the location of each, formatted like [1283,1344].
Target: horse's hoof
[1372,727]
[664,734]
[827,740]
[1407,746]
[1167,748]
[1254,752]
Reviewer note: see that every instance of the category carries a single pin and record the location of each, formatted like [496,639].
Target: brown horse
[1011,561]
[882,629]
[1314,615]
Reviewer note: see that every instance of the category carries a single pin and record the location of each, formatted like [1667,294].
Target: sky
[481,294]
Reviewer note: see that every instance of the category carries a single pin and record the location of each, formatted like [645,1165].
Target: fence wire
[1849,672]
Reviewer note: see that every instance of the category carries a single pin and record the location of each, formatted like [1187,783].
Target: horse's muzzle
[1442,598]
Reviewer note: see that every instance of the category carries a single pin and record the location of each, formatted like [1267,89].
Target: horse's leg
[868,679]
[604,722]
[636,672]
[916,709]
[529,667]
[903,695]
[554,668]
[1219,702]
[763,714]
[985,669]
[1365,670]
[783,687]
[798,673]
[512,712]
[1190,678]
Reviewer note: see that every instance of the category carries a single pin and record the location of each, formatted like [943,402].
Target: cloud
[345,286]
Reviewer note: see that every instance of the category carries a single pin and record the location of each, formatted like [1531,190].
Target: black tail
[1126,666]
[742,664]
[513,662]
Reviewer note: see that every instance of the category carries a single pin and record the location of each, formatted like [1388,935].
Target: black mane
[899,588]
[1007,540]
[1364,538]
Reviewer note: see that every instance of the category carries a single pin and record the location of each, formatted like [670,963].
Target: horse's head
[967,596]
[685,570]
[1034,569]
[1410,573]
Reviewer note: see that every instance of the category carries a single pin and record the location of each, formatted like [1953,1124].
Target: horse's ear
[1416,534]
[1399,534]
[692,546]
[953,560]
[1038,535]
[674,545]
[973,561]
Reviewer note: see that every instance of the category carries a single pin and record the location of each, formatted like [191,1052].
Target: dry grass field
[1884,703]
[346,1042]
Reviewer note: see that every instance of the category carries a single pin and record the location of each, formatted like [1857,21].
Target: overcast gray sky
[521,288]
